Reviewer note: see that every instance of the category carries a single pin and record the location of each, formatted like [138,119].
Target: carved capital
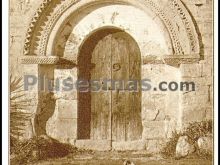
[39,60]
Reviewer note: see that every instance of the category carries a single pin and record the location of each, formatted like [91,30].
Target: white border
[5,55]
[216,81]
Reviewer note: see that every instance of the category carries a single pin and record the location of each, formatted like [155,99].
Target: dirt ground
[117,158]
[120,162]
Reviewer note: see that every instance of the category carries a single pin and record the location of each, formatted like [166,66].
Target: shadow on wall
[45,110]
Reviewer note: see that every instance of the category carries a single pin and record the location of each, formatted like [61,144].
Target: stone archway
[60,27]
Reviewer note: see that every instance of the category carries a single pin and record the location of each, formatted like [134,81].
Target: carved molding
[33,26]
[173,60]
[39,60]
[47,60]
[46,17]
[188,26]
[175,40]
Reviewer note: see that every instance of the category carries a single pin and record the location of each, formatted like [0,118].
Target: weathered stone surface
[205,144]
[191,70]
[154,146]
[191,114]
[63,129]
[209,113]
[207,70]
[195,99]
[205,27]
[65,92]
[183,147]
[67,109]
[153,130]
[99,145]
[129,145]
[171,125]
[150,114]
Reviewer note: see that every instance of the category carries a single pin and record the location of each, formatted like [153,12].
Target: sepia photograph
[111,82]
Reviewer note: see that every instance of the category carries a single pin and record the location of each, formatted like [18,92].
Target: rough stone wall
[194,105]
[198,105]
[63,123]
[20,14]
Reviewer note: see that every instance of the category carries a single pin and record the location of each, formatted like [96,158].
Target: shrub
[170,148]
[198,129]
[40,148]
[194,131]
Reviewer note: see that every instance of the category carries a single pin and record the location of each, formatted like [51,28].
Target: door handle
[116,67]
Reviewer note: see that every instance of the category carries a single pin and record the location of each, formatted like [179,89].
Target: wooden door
[116,113]
[126,104]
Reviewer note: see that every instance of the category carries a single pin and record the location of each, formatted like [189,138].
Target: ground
[120,162]
[117,158]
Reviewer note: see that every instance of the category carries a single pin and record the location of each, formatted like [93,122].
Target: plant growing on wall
[19,115]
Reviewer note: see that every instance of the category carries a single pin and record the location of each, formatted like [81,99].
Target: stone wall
[197,106]
[21,13]
[161,112]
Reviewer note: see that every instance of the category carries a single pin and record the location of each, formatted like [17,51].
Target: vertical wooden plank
[135,124]
[126,105]
[120,71]
[101,101]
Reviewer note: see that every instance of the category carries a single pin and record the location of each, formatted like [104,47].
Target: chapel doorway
[115,112]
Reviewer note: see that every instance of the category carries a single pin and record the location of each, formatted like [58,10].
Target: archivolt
[172,13]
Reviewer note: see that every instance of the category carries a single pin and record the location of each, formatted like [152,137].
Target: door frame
[89,141]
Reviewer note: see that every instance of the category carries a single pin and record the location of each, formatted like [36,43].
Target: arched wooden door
[112,114]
